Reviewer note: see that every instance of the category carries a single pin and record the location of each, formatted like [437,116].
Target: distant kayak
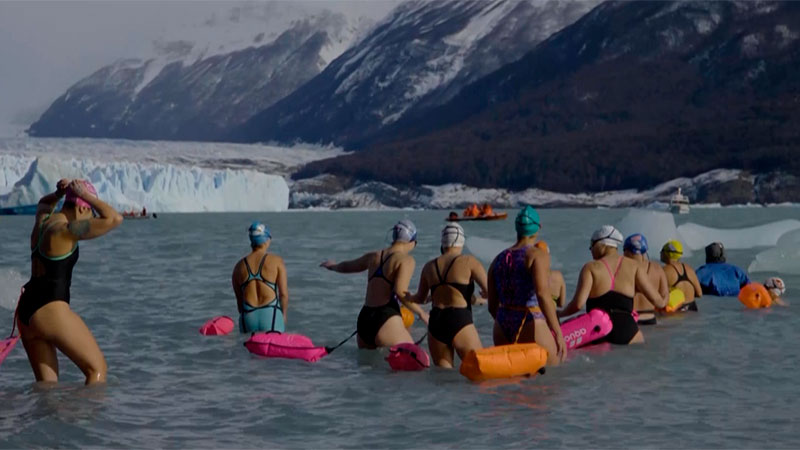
[501,216]
[23,210]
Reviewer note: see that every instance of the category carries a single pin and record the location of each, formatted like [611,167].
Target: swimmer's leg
[41,355]
[65,330]
[466,340]
[393,332]
[637,339]
[441,353]
[545,339]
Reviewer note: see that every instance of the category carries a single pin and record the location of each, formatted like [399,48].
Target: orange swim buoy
[755,296]
[503,361]
[408,316]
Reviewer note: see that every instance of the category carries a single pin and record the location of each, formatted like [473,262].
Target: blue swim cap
[636,244]
[527,222]
[259,233]
[404,231]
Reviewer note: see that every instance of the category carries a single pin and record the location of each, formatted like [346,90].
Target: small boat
[679,203]
[457,218]
[139,216]
[22,210]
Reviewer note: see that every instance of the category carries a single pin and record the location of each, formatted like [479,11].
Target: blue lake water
[725,377]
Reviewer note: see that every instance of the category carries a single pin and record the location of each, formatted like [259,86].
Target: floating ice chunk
[657,227]
[783,259]
[486,249]
[697,236]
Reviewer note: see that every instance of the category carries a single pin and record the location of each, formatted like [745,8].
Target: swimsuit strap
[38,249]
[612,275]
[681,276]
[257,275]
[379,271]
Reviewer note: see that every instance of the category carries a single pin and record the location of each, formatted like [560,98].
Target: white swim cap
[453,236]
[776,286]
[404,231]
[608,236]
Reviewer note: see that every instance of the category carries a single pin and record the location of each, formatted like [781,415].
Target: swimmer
[379,322]
[262,295]
[46,320]
[719,278]
[681,275]
[558,288]
[635,247]
[451,278]
[776,288]
[518,278]
[612,290]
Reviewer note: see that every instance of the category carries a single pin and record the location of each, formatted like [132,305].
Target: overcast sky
[46,46]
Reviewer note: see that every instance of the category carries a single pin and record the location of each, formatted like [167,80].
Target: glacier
[161,176]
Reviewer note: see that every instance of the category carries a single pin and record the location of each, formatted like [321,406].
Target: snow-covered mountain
[420,56]
[205,79]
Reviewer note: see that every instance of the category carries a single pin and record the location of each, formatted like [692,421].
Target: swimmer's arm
[581,293]
[283,289]
[48,203]
[642,284]
[541,275]
[422,290]
[698,290]
[562,290]
[91,228]
[663,285]
[492,292]
[236,289]
[402,280]
[353,266]
[479,276]
[780,302]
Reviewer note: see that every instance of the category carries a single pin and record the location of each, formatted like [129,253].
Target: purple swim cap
[70,196]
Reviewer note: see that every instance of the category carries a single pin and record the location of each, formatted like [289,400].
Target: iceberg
[657,227]
[158,187]
[697,236]
[783,259]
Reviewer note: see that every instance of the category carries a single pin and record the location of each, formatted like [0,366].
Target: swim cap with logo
[404,231]
[673,249]
[527,222]
[453,236]
[259,233]
[607,235]
[636,244]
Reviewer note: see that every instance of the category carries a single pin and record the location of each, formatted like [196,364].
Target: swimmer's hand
[483,294]
[479,300]
[561,348]
[62,185]
[79,188]
[423,316]
[329,264]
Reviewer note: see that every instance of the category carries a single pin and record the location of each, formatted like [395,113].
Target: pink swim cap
[72,198]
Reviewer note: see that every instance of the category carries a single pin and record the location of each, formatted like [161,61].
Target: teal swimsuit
[260,318]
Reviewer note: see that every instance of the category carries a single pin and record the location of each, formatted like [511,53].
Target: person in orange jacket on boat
[486,210]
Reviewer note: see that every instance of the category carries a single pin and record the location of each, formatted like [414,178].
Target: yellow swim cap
[673,249]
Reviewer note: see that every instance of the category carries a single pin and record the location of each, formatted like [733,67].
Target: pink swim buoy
[586,328]
[217,326]
[285,345]
[408,356]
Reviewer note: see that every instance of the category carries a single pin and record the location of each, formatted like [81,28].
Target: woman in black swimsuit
[46,321]
[450,278]
[612,290]
[379,322]
[681,275]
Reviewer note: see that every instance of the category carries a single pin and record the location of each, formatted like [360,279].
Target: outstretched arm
[479,276]
[353,266]
[98,226]
[643,285]
[402,279]
[421,295]
[582,292]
